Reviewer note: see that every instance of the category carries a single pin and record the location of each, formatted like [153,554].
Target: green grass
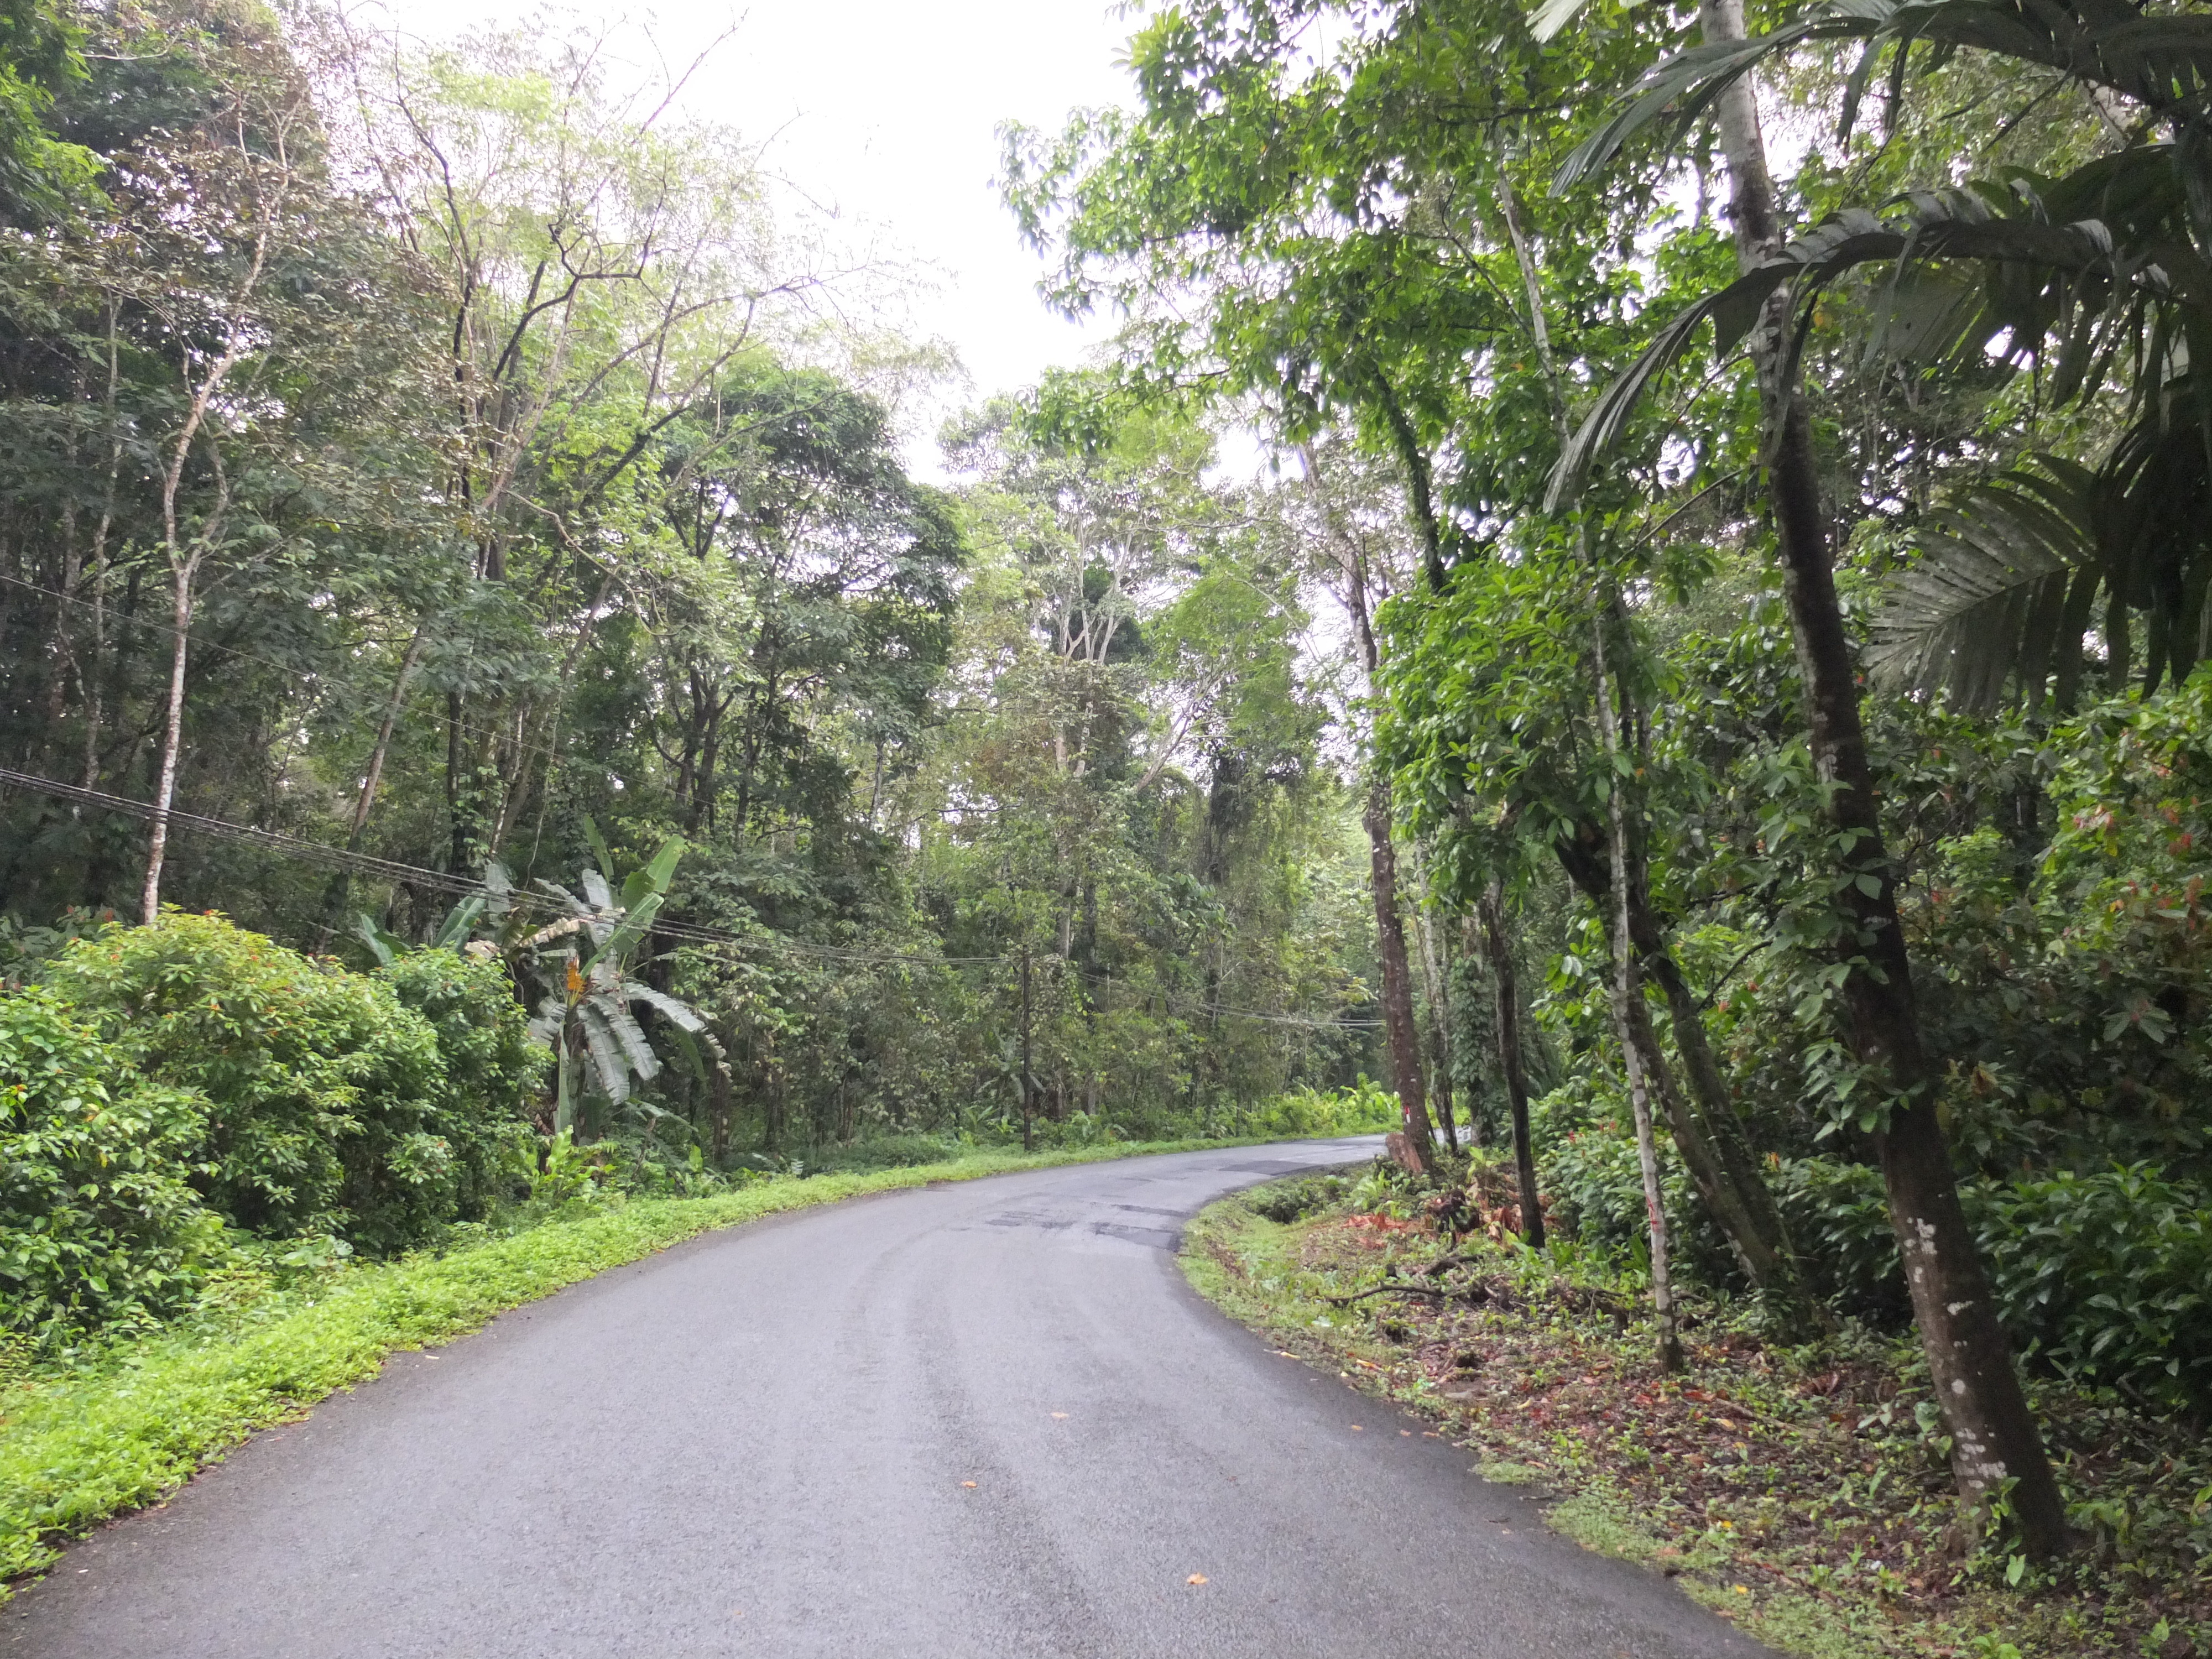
[76,1450]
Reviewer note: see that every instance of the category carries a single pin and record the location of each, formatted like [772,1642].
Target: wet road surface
[980,1419]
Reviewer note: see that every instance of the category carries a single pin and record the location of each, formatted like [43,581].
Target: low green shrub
[1285,1201]
[1839,1218]
[2106,1279]
[97,1222]
[330,1107]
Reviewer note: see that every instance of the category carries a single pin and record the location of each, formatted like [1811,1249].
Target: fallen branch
[1388,1290]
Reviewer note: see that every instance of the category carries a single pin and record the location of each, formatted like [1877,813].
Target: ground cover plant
[1793,1481]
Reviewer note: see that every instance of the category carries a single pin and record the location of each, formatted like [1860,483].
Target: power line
[275,841]
[285,845]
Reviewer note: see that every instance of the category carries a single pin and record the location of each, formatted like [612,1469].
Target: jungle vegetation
[485,684]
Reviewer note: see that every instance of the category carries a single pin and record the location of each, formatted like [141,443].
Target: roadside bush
[330,1107]
[1839,1218]
[1293,1200]
[2106,1279]
[97,1221]
[1365,1107]
[493,1067]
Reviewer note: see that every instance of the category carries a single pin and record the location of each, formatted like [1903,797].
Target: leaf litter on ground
[1801,1490]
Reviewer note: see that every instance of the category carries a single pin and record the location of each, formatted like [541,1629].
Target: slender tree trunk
[459,813]
[720,1097]
[61,653]
[173,728]
[1627,996]
[1705,1128]
[1397,975]
[184,567]
[1994,1435]
[383,746]
[340,891]
[1434,980]
[1499,950]
[1471,1038]
[1382,863]
[95,672]
[1759,1237]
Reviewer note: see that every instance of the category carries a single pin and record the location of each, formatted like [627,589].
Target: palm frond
[1987,597]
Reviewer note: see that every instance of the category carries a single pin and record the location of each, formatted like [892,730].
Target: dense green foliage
[98,1223]
[330,1105]
[1064,800]
[1026,773]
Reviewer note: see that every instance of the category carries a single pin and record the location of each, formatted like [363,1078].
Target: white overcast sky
[887,111]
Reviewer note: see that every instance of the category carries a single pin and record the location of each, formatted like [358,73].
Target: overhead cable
[285,845]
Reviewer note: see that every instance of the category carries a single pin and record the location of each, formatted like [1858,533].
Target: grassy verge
[128,1428]
[1798,1491]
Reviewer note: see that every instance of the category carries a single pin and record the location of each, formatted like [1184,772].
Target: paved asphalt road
[981,1419]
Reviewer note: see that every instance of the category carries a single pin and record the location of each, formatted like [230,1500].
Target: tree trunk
[1028,1080]
[1435,979]
[173,728]
[1627,996]
[720,1097]
[1499,950]
[1471,1038]
[1397,975]
[1706,1130]
[1994,1436]
[1761,1241]
[459,814]
[340,891]
[1382,862]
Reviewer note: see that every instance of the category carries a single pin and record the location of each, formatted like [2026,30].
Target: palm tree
[2102,275]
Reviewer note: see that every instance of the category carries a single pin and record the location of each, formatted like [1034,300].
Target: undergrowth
[1800,1488]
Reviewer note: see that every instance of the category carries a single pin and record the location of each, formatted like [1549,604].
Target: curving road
[973,1420]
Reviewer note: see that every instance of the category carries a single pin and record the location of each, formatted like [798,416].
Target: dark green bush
[2105,1277]
[1293,1200]
[97,1221]
[1839,1218]
[331,1106]
[493,1068]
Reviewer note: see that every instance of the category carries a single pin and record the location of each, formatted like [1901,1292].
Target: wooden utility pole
[1029,1082]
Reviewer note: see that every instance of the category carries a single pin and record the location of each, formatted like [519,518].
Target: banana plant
[586,1018]
[452,934]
